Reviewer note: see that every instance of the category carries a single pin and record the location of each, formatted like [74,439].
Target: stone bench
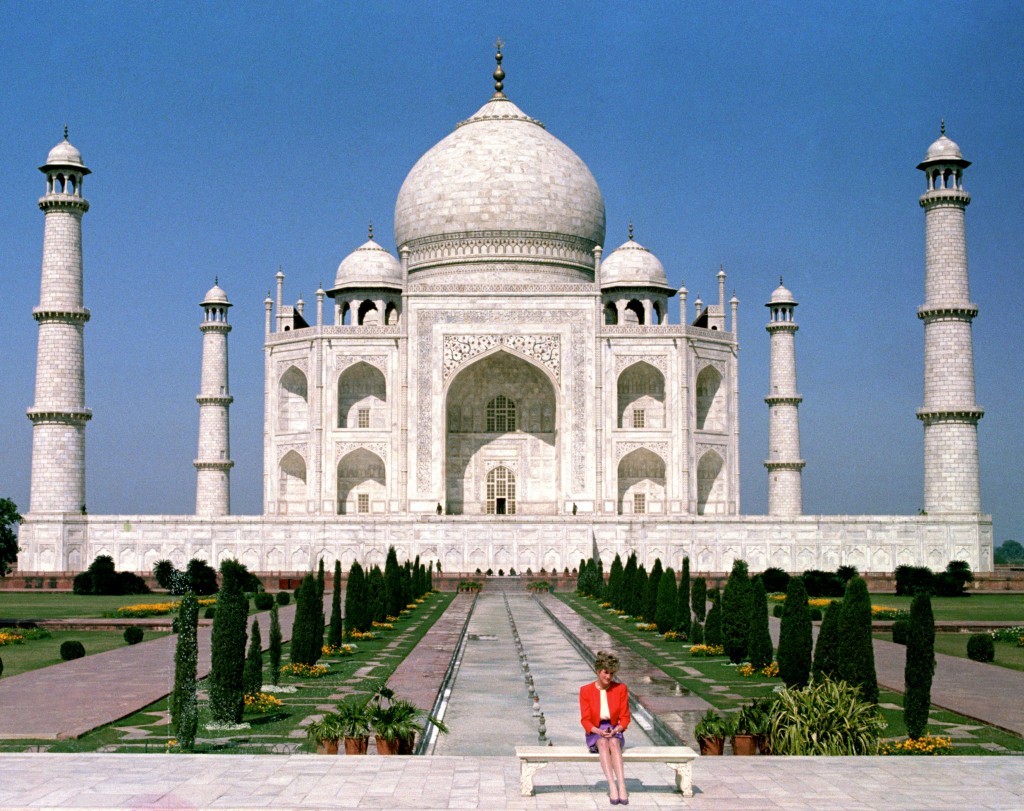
[534,758]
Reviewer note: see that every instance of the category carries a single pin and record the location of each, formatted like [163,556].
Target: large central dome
[500,188]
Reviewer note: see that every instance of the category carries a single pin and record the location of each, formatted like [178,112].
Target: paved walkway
[308,781]
[69,699]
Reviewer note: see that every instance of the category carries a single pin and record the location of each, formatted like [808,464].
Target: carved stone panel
[460,349]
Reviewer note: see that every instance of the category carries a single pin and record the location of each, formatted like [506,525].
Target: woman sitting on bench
[604,713]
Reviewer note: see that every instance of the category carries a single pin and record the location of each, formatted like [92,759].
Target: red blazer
[590,705]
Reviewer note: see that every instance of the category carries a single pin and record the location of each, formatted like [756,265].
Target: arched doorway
[361,483]
[641,475]
[501,411]
[501,491]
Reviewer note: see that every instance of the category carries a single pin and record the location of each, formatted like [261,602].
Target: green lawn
[35,653]
[987,606]
[46,605]
[671,657]
[270,732]
[1008,654]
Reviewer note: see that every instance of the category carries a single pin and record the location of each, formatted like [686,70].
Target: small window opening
[363,503]
[639,503]
[639,418]
[364,418]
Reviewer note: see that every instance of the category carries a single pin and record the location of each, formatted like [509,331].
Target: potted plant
[744,739]
[710,733]
[325,733]
[396,722]
[758,715]
[354,720]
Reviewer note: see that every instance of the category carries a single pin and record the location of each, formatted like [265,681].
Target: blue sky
[773,138]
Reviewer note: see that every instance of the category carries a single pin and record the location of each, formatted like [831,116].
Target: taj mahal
[503,390]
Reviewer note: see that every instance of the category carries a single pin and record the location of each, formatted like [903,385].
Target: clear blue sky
[773,138]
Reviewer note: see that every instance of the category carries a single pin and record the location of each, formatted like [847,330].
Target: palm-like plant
[825,718]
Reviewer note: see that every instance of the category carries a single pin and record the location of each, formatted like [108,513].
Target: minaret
[213,463]
[785,495]
[949,414]
[59,414]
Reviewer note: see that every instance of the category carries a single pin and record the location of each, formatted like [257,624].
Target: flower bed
[925,745]
[1015,634]
[813,602]
[707,650]
[16,637]
[10,638]
[770,670]
[385,625]
[302,671]
[338,650]
[674,636]
[646,626]
[262,703]
[363,635]
[156,609]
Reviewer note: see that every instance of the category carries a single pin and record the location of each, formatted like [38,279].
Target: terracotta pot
[711,746]
[356,746]
[385,747]
[744,744]
[327,747]
[764,746]
[406,745]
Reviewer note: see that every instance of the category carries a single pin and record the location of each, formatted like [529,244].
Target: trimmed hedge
[263,601]
[900,632]
[133,634]
[283,598]
[981,648]
[73,649]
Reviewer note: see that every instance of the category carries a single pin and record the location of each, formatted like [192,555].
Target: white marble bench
[534,758]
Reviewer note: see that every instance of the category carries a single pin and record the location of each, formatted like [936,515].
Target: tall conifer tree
[615,575]
[228,646]
[826,649]
[667,610]
[357,614]
[736,612]
[759,646]
[699,600]
[184,706]
[856,651]
[651,591]
[276,643]
[334,635]
[920,666]
[795,636]
[252,673]
[683,610]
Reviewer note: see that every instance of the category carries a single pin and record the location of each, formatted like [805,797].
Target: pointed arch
[501,491]
[292,483]
[368,314]
[641,391]
[293,402]
[362,397]
[611,313]
[634,312]
[361,483]
[710,400]
[711,495]
[641,477]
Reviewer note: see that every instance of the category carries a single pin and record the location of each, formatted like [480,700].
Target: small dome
[632,265]
[781,295]
[65,154]
[944,150]
[369,265]
[216,295]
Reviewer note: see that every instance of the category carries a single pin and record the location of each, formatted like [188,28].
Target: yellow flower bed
[262,702]
[156,609]
[305,671]
[10,638]
[389,618]
[646,626]
[606,605]
[1020,642]
[707,650]
[674,636]
[925,745]
[386,625]
[813,602]
[338,650]
[748,669]
[361,635]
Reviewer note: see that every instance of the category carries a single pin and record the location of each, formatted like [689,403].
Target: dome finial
[65,132]
[942,126]
[780,280]
[499,74]
[630,230]
[371,230]
[216,281]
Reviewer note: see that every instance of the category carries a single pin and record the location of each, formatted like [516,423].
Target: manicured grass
[36,653]
[1008,654]
[271,732]
[671,657]
[981,606]
[21,605]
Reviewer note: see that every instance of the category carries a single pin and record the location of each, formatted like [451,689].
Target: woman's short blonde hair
[606,661]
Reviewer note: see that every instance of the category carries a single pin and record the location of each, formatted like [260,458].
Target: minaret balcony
[947,312]
[67,315]
[937,198]
[60,416]
[784,399]
[968,414]
[66,202]
[215,399]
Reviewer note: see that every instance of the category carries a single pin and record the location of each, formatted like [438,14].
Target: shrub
[736,612]
[665,613]
[252,672]
[73,649]
[777,610]
[357,616]
[846,573]
[650,604]
[912,579]
[900,631]
[164,572]
[1,666]
[283,598]
[202,578]
[713,628]
[102,578]
[795,636]
[683,606]
[826,650]
[276,642]
[981,648]
[263,601]
[696,633]
[815,615]
[856,654]
[210,612]
[334,634]
[822,584]
[920,666]
[759,646]
[953,582]
[775,579]
[184,704]
[228,646]
[826,718]
[133,634]
[307,635]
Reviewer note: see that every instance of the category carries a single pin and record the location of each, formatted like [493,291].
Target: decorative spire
[942,127]
[216,281]
[499,74]
[371,230]
[65,132]
[780,280]
[630,230]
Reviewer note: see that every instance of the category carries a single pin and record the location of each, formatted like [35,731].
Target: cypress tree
[640,589]
[795,636]
[699,600]
[759,646]
[252,673]
[306,645]
[683,607]
[628,585]
[856,653]
[713,628]
[615,576]
[736,612]
[321,588]
[667,609]
[184,707]
[376,596]
[920,666]
[228,647]
[826,649]
[334,635]
[650,608]
[276,642]
[392,584]
[357,617]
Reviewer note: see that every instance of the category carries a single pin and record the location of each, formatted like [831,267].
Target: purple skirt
[593,737]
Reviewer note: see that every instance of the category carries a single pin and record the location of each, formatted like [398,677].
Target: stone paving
[311,782]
